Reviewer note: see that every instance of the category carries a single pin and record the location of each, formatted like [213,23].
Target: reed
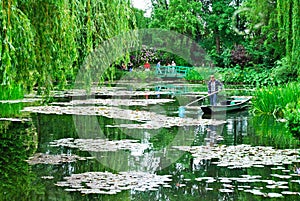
[272,100]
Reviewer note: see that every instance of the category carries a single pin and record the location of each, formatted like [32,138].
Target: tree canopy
[45,42]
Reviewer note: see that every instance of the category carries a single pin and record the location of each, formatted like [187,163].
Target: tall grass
[11,92]
[272,100]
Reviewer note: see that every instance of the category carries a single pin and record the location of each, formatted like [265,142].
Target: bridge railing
[172,71]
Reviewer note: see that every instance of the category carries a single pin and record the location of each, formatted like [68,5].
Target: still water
[37,133]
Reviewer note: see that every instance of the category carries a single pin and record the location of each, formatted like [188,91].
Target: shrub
[239,56]
[250,76]
[283,72]
[292,115]
[193,75]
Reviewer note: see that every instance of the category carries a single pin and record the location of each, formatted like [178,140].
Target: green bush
[292,115]
[193,75]
[230,75]
[137,75]
[199,74]
[250,76]
[283,72]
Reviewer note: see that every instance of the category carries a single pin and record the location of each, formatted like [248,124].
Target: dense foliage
[292,115]
[45,42]
[247,33]
[277,35]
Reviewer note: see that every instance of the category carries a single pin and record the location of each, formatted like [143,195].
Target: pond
[136,147]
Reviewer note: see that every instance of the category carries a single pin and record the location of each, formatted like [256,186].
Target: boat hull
[230,105]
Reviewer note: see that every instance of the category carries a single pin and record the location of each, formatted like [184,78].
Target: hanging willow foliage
[44,42]
[289,20]
[281,19]
[17,47]
[295,54]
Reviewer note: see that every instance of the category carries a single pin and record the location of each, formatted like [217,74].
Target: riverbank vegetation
[282,102]
[273,100]
[253,42]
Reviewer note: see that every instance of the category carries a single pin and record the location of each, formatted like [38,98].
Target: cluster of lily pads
[25,100]
[109,183]
[15,119]
[230,184]
[247,156]
[243,156]
[150,120]
[82,92]
[131,89]
[40,158]
[115,102]
[232,157]
[100,145]
[114,91]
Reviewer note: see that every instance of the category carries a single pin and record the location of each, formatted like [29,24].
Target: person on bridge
[158,71]
[213,87]
[147,66]
[173,68]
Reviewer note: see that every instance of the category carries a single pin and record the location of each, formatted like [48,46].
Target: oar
[202,98]
[182,110]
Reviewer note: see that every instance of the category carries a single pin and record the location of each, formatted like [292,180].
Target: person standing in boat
[214,86]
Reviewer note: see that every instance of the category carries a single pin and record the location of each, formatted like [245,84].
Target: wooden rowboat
[234,104]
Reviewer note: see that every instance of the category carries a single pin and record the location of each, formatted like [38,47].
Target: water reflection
[159,157]
[18,141]
[244,128]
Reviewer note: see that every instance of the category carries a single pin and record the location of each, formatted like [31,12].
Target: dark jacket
[218,84]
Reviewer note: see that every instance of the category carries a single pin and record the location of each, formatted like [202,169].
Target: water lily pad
[40,158]
[113,183]
[274,195]
[226,190]
[150,120]
[243,156]
[102,145]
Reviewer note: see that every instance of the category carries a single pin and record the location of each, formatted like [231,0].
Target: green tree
[274,25]
[45,42]
[288,21]
[209,22]
[182,16]
[220,29]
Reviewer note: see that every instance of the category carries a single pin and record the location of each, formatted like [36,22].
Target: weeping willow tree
[289,21]
[276,23]
[17,49]
[44,42]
